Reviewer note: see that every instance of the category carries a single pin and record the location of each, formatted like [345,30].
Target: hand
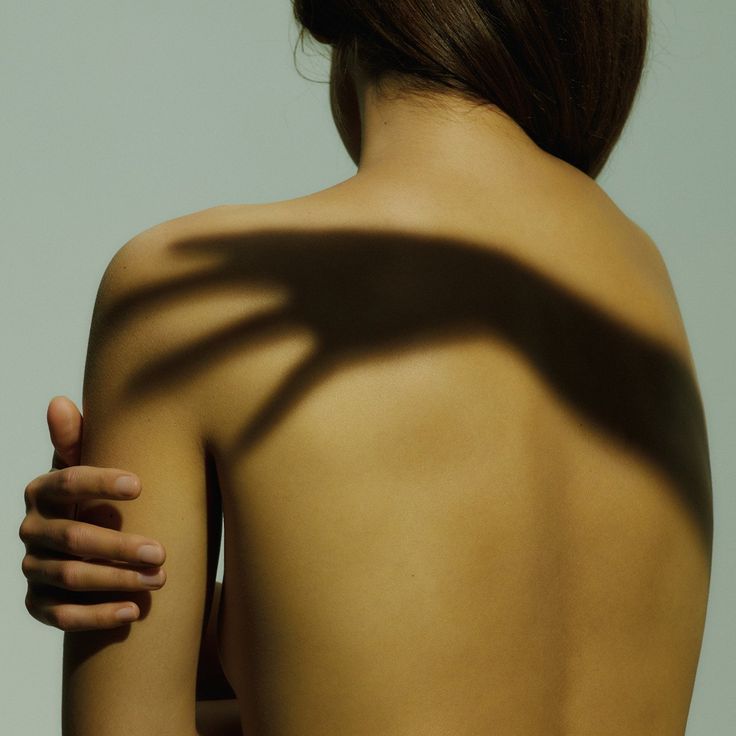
[56,544]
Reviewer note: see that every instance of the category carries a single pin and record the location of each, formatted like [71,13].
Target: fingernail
[150,554]
[126,485]
[126,614]
[153,579]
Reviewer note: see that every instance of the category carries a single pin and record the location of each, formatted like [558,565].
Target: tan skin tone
[382,137]
[53,585]
[390,140]
[56,543]
[358,114]
[51,496]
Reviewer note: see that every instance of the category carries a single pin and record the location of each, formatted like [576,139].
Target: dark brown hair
[567,71]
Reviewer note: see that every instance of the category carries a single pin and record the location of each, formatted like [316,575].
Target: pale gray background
[117,116]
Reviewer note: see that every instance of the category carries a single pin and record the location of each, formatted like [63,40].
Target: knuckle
[66,479]
[73,538]
[101,619]
[69,574]
[36,610]
[60,618]
[121,550]
[27,565]
[25,531]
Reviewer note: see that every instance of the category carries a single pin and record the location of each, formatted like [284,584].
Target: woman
[448,408]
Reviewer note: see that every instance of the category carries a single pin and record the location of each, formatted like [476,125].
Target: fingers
[89,576]
[65,428]
[80,483]
[79,539]
[73,617]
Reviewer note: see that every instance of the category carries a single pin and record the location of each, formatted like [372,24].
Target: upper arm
[141,678]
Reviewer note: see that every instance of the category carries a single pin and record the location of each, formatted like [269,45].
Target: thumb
[65,428]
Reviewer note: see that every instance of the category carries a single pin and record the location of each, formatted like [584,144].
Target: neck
[439,132]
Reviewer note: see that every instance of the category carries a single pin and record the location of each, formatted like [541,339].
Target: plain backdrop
[117,116]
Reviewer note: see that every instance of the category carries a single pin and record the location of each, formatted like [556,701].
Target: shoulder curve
[144,256]
[150,295]
[671,323]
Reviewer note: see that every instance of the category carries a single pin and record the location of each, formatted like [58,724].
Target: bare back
[455,498]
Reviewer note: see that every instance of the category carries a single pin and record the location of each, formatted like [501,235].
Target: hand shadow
[367,292]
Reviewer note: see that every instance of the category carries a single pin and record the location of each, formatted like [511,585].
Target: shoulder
[143,293]
[618,266]
[649,289]
[148,268]
[137,262]
[167,295]
[219,240]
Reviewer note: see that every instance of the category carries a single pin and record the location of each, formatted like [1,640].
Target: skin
[390,138]
[56,543]
[381,136]
[385,136]
[49,529]
[390,133]
[55,564]
[58,579]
